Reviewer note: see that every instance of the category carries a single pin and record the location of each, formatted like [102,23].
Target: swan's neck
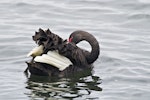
[93,55]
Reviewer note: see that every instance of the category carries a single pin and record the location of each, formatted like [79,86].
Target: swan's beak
[36,51]
[67,40]
[55,59]
[70,39]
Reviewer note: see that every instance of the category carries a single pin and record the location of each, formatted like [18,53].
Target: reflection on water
[66,88]
[122,28]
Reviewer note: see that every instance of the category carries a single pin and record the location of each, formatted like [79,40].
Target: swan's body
[58,56]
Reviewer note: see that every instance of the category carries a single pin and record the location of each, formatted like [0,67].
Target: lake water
[122,28]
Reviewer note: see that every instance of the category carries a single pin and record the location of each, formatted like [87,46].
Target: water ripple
[121,28]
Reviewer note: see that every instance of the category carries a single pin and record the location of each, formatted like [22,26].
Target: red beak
[70,39]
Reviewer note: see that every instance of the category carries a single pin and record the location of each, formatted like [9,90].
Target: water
[121,26]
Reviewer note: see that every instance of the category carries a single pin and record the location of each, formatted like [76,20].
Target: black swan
[57,57]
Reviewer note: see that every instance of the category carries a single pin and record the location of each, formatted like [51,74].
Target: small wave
[144,1]
[139,16]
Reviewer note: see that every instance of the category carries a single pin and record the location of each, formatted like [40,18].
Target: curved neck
[93,55]
[95,51]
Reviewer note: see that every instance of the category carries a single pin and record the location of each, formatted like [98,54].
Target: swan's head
[76,37]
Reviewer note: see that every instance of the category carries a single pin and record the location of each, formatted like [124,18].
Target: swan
[56,57]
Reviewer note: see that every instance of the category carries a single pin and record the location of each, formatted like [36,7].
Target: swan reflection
[76,86]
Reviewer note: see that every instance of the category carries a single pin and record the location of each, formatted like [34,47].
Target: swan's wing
[36,51]
[55,59]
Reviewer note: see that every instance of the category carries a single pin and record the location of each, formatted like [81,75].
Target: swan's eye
[70,39]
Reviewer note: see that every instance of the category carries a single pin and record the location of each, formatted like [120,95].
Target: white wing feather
[55,59]
[36,51]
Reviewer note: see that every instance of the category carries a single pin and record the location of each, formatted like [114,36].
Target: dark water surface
[122,28]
